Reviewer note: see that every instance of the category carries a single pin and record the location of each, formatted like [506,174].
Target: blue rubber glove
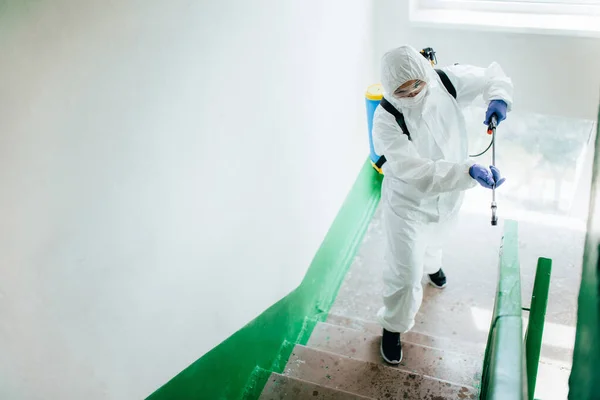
[497,107]
[498,179]
[488,178]
[482,175]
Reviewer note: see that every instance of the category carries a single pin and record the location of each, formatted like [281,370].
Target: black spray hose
[483,152]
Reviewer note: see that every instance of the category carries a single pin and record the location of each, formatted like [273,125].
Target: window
[584,7]
[580,17]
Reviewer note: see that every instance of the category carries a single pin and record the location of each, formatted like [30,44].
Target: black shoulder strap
[387,106]
[446,82]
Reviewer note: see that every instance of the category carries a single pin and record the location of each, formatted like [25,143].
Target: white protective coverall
[424,179]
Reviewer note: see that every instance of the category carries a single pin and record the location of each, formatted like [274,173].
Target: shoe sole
[432,283]
[385,358]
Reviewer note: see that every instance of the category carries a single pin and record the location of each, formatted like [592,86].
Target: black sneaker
[391,348]
[438,279]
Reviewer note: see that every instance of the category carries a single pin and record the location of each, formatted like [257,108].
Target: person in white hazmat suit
[425,174]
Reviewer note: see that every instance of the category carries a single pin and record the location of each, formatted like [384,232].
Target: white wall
[553,75]
[167,169]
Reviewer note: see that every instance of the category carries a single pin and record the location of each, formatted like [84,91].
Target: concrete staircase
[443,355]
[341,361]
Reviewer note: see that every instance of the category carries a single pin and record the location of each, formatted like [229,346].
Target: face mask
[411,102]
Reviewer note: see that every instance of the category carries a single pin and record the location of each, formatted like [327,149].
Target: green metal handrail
[510,367]
[535,327]
[503,364]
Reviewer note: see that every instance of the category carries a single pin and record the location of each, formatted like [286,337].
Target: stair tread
[281,387]
[434,362]
[421,338]
[369,379]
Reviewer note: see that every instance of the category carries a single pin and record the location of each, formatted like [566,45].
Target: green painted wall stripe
[239,366]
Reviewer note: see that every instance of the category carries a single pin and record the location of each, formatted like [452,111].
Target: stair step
[369,379]
[373,328]
[285,387]
[437,363]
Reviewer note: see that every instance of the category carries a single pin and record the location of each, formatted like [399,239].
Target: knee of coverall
[404,258]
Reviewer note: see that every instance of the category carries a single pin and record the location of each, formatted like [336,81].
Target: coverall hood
[401,65]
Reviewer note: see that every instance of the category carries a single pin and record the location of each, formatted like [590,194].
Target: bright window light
[519,6]
[572,17]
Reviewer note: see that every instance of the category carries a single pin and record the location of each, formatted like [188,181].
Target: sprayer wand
[492,131]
